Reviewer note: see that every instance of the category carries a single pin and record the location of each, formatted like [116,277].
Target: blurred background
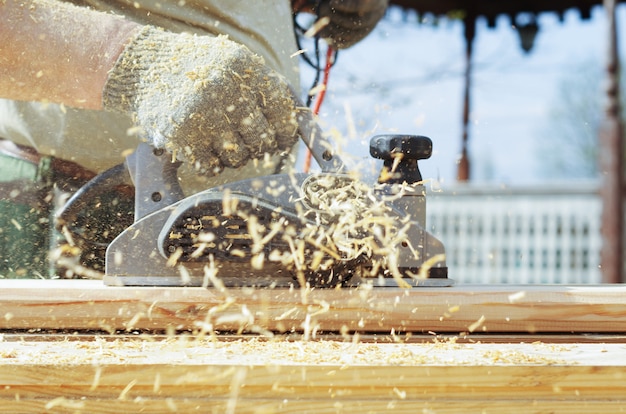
[529,206]
[534,115]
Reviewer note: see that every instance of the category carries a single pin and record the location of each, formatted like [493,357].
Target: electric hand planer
[325,229]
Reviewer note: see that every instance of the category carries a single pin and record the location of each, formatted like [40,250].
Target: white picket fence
[548,234]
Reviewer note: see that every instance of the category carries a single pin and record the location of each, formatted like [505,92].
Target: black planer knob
[400,154]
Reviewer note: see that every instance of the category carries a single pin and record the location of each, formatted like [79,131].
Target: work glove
[350,20]
[208,100]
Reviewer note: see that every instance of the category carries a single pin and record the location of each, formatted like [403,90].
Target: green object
[30,244]
[24,218]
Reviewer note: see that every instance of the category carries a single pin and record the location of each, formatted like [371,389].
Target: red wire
[319,100]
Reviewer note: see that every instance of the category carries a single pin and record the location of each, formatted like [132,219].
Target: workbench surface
[78,346]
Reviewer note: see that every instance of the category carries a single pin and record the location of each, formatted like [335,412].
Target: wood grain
[142,367]
[89,305]
[182,375]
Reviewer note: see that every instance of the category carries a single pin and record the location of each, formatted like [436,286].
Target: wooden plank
[380,338]
[181,375]
[40,372]
[89,305]
[302,405]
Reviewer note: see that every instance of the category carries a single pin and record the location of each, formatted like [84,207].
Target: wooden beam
[180,375]
[84,305]
[380,338]
[611,162]
[206,372]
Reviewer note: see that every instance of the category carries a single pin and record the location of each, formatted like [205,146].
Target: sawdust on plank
[260,352]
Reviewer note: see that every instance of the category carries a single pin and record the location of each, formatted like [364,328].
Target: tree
[568,142]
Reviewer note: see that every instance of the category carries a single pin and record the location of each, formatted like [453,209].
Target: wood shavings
[476,324]
[516,297]
[210,275]
[130,325]
[352,220]
[277,351]
[453,309]
[78,269]
[8,354]
[156,386]
[428,264]
[185,276]
[62,402]
[126,390]
[298,53]
[399,394]
[257,261]
[96,379]
[173,259]
[287,314]
[324,308]
[317,89]
[338,227]
[171,405]
[317,26]
[235,386]
[244,317]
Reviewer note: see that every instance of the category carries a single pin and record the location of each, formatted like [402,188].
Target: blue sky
[407,77]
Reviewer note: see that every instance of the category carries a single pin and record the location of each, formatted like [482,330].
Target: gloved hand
[350,20]
[207,100]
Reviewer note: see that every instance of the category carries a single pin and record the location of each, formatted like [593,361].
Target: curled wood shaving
[63,402]
[476,324]
[126,390]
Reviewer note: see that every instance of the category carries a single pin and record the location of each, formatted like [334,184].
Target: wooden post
[611,162]
[463,167]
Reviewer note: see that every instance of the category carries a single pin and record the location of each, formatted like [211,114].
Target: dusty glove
[206,99]
[350,20]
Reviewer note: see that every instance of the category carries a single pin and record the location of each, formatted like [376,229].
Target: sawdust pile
[278,352]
